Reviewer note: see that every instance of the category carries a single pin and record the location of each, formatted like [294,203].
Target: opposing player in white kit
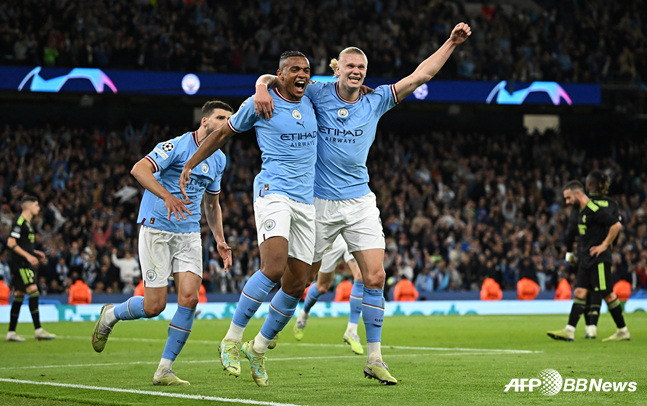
[169,237]
[283,209]
[337,252]
[345,205]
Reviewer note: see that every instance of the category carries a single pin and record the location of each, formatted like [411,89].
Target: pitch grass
[436,369]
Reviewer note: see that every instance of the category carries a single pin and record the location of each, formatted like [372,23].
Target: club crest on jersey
[269,224]
[296,114]
[167,147]
[204,167]
[342,112]
[151,275]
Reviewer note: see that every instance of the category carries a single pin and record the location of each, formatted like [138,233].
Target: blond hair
[350,50]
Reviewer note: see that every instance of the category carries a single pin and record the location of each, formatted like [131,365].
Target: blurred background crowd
[568,41]
[457,207]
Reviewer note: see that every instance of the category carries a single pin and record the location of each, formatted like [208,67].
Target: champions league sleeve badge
[167,146]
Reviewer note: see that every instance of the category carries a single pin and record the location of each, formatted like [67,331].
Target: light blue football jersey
[288,143]
[168,158]
[346,133]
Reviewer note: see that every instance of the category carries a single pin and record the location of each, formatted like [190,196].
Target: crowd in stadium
[592,41]
[456,207]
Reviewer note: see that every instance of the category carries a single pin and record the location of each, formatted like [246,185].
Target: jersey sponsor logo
[196,185]
[340,132]
[296,114]
[342,112]
[167,146]
[269,224]
[302,139]
[204,167]
[151,275]
[161,153]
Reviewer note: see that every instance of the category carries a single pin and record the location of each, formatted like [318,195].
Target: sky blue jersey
[288,144]
[346,133]
[168,158]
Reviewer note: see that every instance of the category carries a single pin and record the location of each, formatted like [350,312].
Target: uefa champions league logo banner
[102,81]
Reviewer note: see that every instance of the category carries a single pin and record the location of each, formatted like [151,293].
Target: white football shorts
[357,220]
[279,216]
[162,254]
[336,252]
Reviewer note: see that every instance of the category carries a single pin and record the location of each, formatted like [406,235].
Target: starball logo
[550,383]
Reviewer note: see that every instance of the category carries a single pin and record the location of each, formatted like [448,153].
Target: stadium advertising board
[94,80]
[54,313]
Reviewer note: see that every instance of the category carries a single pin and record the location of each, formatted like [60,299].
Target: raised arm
[213,212]
[144,172]
[430,66]
[263,102]
[212,143]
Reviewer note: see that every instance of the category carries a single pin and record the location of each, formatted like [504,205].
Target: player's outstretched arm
[144,172]
[211,144]
[430,66]
[213,212]
[263,102]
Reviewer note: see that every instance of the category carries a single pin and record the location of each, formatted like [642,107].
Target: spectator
[139,289]
[563,291]
[80,293]
[527,289]
[491,290]
[405,291]
[128,267]
[424,283]
[342,291]
[5,292]
[622,289]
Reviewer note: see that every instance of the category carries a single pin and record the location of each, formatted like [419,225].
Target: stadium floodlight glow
[552,89]
[38,84]
[190,84]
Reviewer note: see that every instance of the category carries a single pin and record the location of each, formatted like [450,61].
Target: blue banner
[54,313]
[94,80]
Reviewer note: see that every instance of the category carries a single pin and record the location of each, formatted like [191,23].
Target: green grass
[321,370]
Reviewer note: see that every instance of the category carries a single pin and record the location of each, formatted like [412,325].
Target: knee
[580,293]
[273,273]
[154,309]
[189,301]
[375,280]
[323,288]
[295,289]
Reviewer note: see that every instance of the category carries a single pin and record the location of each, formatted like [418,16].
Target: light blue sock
[356,297]
[131,309]
[255,291]
[373,314]
[282,308]
[311,298]
[178,332]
